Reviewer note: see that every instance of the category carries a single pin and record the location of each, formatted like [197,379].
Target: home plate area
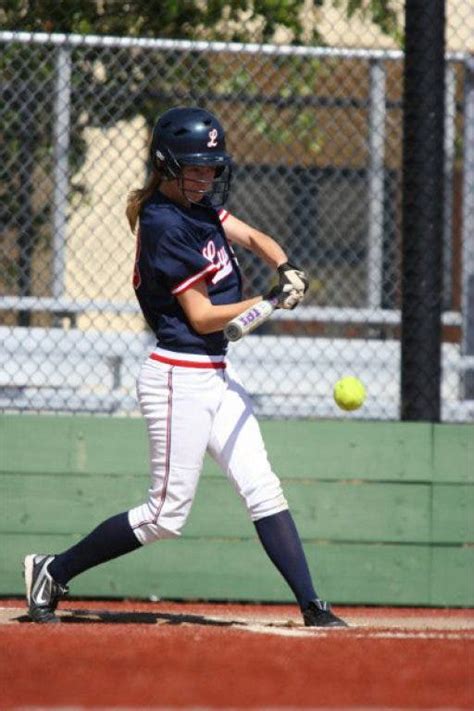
[283,620]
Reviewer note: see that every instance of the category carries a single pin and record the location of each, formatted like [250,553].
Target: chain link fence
[316,137]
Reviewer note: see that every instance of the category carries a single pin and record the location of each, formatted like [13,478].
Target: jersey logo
[212,142]
[220,258]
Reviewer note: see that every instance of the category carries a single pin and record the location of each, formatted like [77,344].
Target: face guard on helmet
[192,137]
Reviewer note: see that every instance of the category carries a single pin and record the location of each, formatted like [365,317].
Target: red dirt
[191,662]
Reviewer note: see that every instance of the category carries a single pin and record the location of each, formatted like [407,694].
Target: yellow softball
[349,393]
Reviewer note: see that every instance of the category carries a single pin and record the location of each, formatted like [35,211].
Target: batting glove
[285,297]
[297,278]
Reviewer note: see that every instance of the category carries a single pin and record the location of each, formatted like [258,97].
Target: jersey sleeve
[178,260]
[223,215]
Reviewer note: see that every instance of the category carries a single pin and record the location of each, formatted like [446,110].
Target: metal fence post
[467,305]
[449,157]
[62,121]
[423,174]
[377,115]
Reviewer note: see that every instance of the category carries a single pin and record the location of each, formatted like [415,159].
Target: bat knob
[233,331]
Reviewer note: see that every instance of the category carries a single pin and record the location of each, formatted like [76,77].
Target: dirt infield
[128,655]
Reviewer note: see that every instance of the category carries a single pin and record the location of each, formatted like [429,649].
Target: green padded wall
[385,510]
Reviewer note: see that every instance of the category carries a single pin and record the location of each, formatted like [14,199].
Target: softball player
[188,284]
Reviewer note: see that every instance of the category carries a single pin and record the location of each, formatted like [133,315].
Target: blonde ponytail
[136,198]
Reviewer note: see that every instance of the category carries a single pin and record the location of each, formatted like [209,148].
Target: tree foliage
[216,19]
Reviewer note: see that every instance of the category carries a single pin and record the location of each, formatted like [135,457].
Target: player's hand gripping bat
[290,291]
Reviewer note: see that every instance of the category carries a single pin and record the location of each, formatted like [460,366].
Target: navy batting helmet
[192,136]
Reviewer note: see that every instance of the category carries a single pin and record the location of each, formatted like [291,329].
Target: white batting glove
[285,297]
[297,278]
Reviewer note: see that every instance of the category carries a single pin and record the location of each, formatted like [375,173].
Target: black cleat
[319,614]
[42,592]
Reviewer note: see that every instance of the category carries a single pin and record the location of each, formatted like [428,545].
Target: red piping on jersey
[188,363]
[190,281]
[223,215]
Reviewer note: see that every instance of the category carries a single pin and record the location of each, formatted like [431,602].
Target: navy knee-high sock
[111,539]
[282,544]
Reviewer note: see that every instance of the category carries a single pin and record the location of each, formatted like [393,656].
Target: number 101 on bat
[249,320]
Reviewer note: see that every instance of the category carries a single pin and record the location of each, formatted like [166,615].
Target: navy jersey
[176,248]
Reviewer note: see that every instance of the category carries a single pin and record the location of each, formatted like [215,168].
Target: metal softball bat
[249,319]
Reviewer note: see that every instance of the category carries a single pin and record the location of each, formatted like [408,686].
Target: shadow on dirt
[140,618]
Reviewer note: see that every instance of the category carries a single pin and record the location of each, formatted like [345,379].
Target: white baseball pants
[191,408]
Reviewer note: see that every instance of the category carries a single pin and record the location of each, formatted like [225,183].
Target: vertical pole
[467,304]
[377,114]
[27,235]
[62,120]
[423,183]
[449,156]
